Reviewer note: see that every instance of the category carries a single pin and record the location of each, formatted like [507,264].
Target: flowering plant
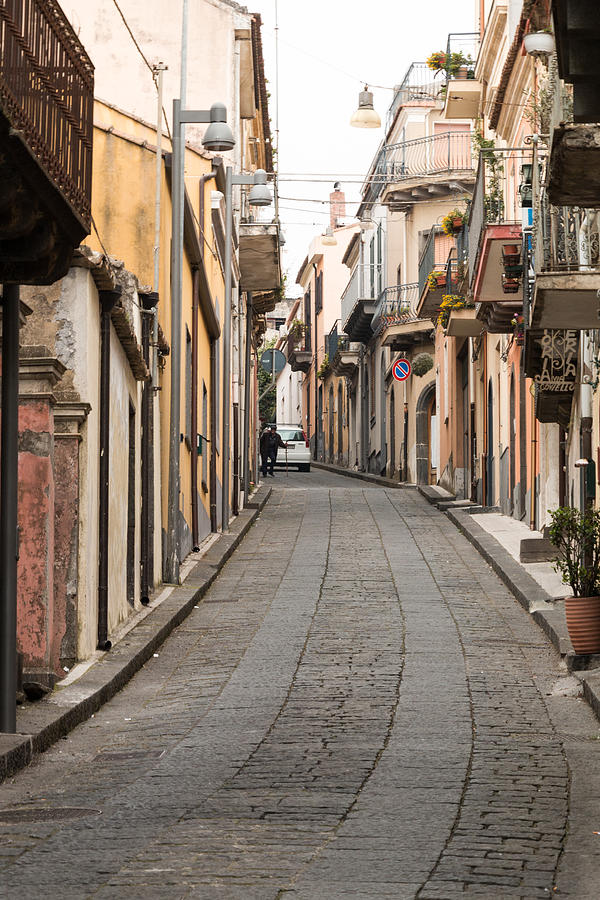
[436,278]
[437,61]
[453,222]
[449,302]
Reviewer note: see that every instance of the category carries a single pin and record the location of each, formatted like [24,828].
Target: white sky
[326,49]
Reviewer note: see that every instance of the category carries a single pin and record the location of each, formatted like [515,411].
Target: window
[307,320]
[318,293]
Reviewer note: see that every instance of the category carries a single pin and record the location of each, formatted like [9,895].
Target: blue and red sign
[402,369]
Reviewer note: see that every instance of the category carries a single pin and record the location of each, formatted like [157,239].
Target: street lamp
[218,137]
[260,195]
[365,116]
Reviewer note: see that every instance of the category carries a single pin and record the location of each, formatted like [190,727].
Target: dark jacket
[270,442]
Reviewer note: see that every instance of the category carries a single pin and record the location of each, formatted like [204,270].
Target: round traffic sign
[402,369]
[273,360]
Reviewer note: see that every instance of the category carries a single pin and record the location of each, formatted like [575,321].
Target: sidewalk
[536,586]
[90,684]
[363,476]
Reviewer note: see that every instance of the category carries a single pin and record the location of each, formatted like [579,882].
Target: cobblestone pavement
[358,708]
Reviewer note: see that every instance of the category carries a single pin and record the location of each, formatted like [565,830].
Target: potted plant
[576,535]
[537,43]
[324,368]
[436,279]
[450,302]
[453,222]
[518,323]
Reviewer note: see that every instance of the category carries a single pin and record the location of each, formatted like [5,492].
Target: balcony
[359,303]
[463,323]
[46,107]
[567,265]
[439,257]
[298,352]
[427,167]
[396,319]
[419,87]
[463,92]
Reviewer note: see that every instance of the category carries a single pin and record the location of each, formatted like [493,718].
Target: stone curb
[363,476]
[550,617]
[45,722]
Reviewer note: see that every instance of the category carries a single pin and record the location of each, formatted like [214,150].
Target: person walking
[269,444]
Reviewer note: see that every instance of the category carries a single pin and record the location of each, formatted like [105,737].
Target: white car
[298,451]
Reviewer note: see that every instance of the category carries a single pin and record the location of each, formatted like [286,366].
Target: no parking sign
[402,369]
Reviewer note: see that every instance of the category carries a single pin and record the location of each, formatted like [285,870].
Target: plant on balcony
[576,535]
[453,222]
[518,324]
[324,368]
[494,198]
[422,363]
[451,63]
[297,330]
[450,302]
[436,279]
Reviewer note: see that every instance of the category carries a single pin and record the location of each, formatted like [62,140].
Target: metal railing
[364,284]
[47,92]
[567,238]
[435,256]
[397,305]
[331,342]
[496,197]
[418,85]
[467,45]
[445,152]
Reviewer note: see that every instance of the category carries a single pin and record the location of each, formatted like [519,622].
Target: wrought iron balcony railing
[46,94]
[397,306]
[445,152]
[566,239]
[418,85]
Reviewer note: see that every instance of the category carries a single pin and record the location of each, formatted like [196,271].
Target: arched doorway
[489,493]
[330,446]
[425,440]
[340,423]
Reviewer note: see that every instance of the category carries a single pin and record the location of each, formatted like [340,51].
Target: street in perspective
[299,449]
[358,707]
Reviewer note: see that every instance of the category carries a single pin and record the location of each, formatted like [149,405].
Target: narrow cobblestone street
[357,708]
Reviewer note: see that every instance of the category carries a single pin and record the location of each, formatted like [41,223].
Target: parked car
[298,452]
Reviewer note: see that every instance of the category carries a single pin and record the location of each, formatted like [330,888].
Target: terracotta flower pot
[457,223]
[583,623]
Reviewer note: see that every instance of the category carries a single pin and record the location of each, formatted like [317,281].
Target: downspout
[107,302]
[214,521]
[246,436]
[194,434]
[149,317]
[213,402]
[9,550]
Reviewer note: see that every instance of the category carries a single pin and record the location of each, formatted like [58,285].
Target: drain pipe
[214,519]
[194,434]
[9,508]
[107,301]
[246,436]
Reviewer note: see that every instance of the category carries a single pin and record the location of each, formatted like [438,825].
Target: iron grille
[47,94]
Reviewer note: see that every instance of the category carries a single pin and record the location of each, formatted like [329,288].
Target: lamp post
[260,195]
[218,137]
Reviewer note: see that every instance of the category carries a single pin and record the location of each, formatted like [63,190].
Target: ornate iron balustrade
[397,306]
[46,94]
[418,85]
[445,152]
[566,238]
